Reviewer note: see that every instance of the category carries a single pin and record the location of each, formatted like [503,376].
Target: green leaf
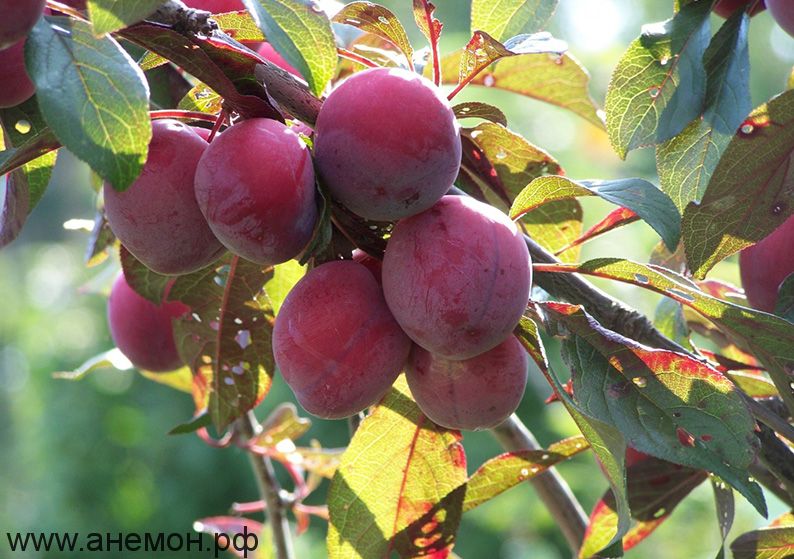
[766,336]
[301,33]
[555,226]
[638,195]
[323,230]
[111,15]
[284,277]
[647,77]
[240,26]
[686,162]
[199,422]
[400,485]
[726,510]
[748,195]
[93,96]
[507,470]
[773,542]
[379,21]
[664,403]
[503,19]
[484,111]
[228,336]
[149,285]
[201,98]
[785,299]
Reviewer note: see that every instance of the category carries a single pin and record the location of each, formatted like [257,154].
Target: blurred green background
[93,456]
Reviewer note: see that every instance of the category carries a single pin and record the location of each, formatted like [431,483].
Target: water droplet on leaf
[23,126]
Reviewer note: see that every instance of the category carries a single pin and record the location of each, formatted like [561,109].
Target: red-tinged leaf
[231,526]
[749,194]
[664,403]
[774,542]
[400,485]
[218,61]
[228,336]
[377,20]
[655,488]
[616,218]
[320,461]
[484,111]
[769,338]
[430,28]
[505,471]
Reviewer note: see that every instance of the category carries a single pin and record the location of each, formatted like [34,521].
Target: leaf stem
[350,55]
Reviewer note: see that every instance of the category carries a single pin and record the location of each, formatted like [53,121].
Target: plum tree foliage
[290,189]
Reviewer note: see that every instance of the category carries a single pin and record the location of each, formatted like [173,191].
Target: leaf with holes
[240,26]
[655,488]
[484,111]
[228,336]
[301,33]
[665,404]
[507,470]
[647,77]
[773,542]
[201,98]
[323,462]
[749,194]
[613,220]
[638,195]
[377,20]
[93,97]
[426,21]
[111,15]
[506,18]
[400,485]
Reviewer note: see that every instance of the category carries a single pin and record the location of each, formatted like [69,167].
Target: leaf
[484,111]
[323,462]
[726,510]
[181,379]
[221,63]
[284,277]
[664,403]
[112,359]
[323,230]
[203,99]
[228,336]
[687,161]
[100,242]
[200,421]
[784,307]
[111,15]
[400,485]
[638,195]
[426,21]
[301,33]
[282,423]
[34,147]
[614,219]
[768,337]
[377,20]
[240,26]
[655,487]
[774,542]
[647,77]
[507,470]
[146,283]
[506,18]
[555,225]
[749,194]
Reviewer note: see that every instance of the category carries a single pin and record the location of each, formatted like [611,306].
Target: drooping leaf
[282,423]
[400,485]
[503,19]
[93,97]
[784,307]
[240,26]
[774,542]
[484,111]
[687,161]
[726,509]
[301,33]
[507,470]
[111,15]
[201,98]
[769,338]
[638,195]
[377,20]
[749,194]
[613,220]
[647,77]
[227,338]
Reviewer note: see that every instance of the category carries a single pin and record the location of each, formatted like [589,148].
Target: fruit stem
[350,55]
[553,490]
[218,123]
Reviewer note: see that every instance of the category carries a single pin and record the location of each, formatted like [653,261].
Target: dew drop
[238,320]
[778,208]
[206,359]
[664,60]
[488,80]
[641,382]
[383,19]
[501,154]
[654,91]
[545,457]
[524,472]
[747,129]
[23,126]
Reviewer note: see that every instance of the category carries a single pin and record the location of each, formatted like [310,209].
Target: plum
[16,84]
[255,186]
[387,144]
[725,8]
[335,341]
[472,394]
[142,330]
[157,218]
[216,6]
[766,264]
[783,13]
[17,18]
[266,51]
[371,263]
[457,277]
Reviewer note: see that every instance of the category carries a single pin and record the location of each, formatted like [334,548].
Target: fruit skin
[216,6]
[371,263]
[457,277]
[783,13]
[157,218]
[267,52]
[16,84]
[142,330]
[255,186]
[17,18]
[476,393]
[725,8]
[335,341]
[766,264]
[387,144]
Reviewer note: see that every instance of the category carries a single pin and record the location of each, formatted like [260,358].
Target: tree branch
[269,489]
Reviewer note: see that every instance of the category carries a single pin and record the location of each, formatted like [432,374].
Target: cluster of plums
[442,305]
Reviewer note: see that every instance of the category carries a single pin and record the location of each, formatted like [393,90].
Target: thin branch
[269,489]
[553,490]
